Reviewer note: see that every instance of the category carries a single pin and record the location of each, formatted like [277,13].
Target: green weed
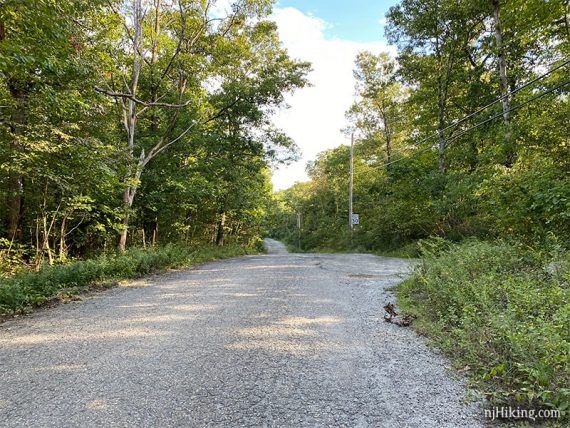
[28,289]
[503,311]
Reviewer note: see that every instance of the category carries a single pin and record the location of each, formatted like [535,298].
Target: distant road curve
[275,247]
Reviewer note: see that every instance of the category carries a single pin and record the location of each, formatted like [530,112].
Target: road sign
[355,219]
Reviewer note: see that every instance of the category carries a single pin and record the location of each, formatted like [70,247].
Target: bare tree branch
[160,146]
[138,101]
[127,29]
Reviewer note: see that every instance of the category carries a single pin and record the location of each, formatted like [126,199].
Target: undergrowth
[502,312]
[28,289]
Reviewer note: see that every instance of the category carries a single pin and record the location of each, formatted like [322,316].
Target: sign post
[299,231]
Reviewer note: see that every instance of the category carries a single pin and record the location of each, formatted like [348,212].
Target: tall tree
[30,70]
[180,75]
[502,63]
[432,36]
[52,162]
[379,107]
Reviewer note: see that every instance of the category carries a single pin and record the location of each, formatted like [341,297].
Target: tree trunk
[124,233]
[15,194]
[128,198]
[131,121]
[220,232]
[62,245]
[441,104]
[153,60]
[45,244]
[510,149]
[441,127]
[14,206]
[39,255]
[567,19]
[155,232]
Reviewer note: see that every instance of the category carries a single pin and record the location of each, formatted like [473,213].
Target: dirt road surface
[269,340]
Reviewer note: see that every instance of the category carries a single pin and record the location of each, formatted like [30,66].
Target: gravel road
[269,340]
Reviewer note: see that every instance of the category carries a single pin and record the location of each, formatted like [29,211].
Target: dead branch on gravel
[390,312]
[391,316]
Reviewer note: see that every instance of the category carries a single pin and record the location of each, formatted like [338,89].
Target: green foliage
[28,289]
[12,255]
[456,169]
[503,310]
[169,140]
[532,199]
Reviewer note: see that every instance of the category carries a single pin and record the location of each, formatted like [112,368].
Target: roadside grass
[291,248]
[25,290]
[501,311]
[408,251]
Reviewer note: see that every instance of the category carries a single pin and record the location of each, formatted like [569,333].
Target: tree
[187,69]
[505,92]
[86,115]
[503,178]
[379,109]
[432,36]
[53,163]
[31,71]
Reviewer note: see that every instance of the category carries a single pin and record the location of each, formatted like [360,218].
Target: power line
[517,107]
[564,62]
[514,91]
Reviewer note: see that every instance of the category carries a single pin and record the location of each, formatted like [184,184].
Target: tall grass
[502,311]
[29,289]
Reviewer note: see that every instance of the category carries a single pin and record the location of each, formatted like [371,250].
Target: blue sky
[329,34]
[356,20]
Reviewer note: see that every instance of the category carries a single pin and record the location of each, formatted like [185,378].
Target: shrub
[503,310]
[28,289]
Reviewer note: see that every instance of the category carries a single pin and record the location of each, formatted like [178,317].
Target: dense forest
[466,133]
[136,123]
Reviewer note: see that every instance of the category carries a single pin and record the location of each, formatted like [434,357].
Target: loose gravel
[269,340]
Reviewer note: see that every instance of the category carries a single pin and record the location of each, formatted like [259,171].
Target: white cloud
[316,115]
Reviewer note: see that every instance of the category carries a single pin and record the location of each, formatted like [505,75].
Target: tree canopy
[137,122]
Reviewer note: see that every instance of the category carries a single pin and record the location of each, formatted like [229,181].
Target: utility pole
[350,180]
[299,231]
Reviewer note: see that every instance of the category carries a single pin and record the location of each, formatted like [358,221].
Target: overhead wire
[490,119]
[437,133]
